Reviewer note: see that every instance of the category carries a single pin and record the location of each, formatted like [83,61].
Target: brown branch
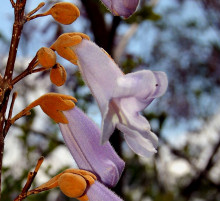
[196,181]
[16,34]
[30,179]
[35,10]
[35,16]
[98,24]
[8,122]
[12,3]
[5,84]
[28,71]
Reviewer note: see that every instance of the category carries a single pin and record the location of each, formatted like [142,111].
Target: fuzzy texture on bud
[64,12]
[58,75]
[46,57]
[64,43]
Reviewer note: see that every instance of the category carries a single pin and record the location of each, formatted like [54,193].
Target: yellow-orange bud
[64,12]
[52,104]
[46,57]
[72,182]
[64,43]
[58,75]
[72,185]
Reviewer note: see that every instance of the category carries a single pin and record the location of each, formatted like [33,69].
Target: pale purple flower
[121,97]
[123,8]
[98,192]
[82,137]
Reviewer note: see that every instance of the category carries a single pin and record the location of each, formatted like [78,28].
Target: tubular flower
[121,97]
[123,8]
[82,137]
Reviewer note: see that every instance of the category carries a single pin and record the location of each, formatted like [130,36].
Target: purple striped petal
[82,137]
[98,192]
[123,8]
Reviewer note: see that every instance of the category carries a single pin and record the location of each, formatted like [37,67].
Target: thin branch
[16,34]
[8,122]
[35,10]
[195,183]
[39,70]
[12,3]
[28,71]
[30,179]
[35,16]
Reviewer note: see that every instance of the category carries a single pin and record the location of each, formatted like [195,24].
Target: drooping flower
[82,137]
[123,8]
[120,97]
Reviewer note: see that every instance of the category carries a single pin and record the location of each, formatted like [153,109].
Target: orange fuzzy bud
[46,57]
[58,75]
[64,43]
[72,182]
[72,185]
[52,104]
[64,12]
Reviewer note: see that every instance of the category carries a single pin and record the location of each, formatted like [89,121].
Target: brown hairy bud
[64,12]
[58,75]
[46,57]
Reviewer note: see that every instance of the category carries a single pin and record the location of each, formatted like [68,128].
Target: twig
[35,10]
[196,181]
[5,83]
[35,16]
[8,123]
[30,179]
[38,70]
[28,71]
[12,3]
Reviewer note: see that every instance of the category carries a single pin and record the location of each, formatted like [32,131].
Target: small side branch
[8,122]
[28,71]
[30,179]
[12,3]
[36,9]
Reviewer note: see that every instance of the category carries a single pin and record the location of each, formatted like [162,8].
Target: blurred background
[179,37]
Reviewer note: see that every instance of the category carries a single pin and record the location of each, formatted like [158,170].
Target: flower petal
[82,137]
[123,8]
[149,84]
[142,144]
[109,121]
[98,71]
[98,192]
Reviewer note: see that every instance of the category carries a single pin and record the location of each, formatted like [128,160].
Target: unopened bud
[64,43]
[72,185]
[64,12]
[46,57]
[58,75]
